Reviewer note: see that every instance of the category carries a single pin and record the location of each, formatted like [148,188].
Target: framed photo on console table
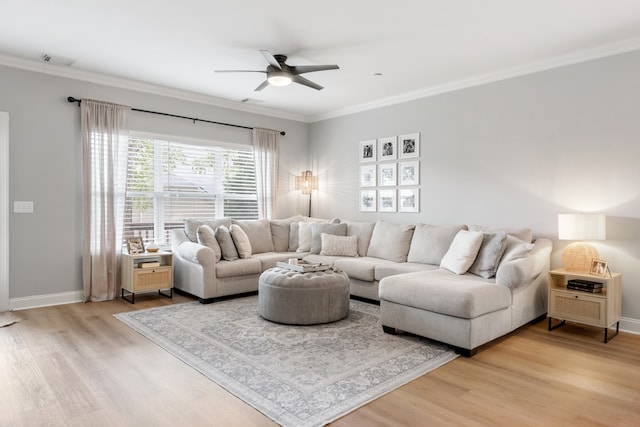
[135,245]
[598,267]
[409,146]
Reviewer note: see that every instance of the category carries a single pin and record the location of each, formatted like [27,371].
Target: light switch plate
[22,207]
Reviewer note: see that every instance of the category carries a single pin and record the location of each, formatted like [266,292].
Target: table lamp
[577,256]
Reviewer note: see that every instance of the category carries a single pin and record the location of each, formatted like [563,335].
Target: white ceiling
[420,47]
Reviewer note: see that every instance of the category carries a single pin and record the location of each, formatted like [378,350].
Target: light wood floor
[76,365]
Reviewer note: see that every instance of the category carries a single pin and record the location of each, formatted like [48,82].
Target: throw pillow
[363,230]
[241,240]
[329,228]
[228,248]
[515,249]
[207,237]
[390,241]
[522,233]
[491,250]
[333,245]
[259,234]
[462,252]
[431,242]
[280,235]
[304,237]
[294,229]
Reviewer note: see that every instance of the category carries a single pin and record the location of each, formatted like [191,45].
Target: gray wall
[46,167]
[516,152]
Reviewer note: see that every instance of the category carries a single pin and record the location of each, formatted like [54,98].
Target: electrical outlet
[22,207]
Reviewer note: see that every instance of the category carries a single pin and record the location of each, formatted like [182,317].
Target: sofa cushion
[491,250]
[239,267]
[323,227]
[241,240]
[304,236]
[363,230]
[280,234]
[271,259]
[339,245]
[431,242]
[207,237]
[390,241]
[440,291]
[522,233]
[361,268]
[259,233]
[515,248]
[462,252]
[227,247]
[191,226]
[386,269]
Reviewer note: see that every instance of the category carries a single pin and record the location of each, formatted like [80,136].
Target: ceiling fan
[281,74]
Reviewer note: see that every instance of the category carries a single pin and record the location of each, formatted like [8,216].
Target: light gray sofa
[424,280]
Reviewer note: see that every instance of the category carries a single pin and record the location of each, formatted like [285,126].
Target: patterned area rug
[296,375]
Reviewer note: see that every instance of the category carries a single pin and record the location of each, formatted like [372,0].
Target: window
[168,182]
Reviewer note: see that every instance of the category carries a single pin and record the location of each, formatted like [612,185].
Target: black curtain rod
[72,99]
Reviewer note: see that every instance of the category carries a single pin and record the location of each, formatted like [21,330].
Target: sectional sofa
[464,285]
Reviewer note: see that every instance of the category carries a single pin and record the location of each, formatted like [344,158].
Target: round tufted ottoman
[295,298]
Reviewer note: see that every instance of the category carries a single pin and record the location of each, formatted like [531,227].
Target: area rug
[7,318]
[296,375]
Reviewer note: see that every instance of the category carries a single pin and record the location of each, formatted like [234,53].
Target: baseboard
[630,325]
[46,300]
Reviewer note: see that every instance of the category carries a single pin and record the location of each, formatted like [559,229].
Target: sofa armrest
[197,253]
[520,272]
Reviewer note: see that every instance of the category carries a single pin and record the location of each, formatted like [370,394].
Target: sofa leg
[207,300]
[389,330]
[465,352]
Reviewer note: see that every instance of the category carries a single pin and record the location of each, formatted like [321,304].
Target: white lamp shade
[582,226]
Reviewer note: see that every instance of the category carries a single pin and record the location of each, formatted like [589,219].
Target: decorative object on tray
[153,248]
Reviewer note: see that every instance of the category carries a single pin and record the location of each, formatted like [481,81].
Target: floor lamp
[306,182]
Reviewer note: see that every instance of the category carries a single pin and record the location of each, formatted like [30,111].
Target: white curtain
[105,137]
[265,148]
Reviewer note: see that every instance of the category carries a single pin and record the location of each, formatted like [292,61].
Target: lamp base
[578,255]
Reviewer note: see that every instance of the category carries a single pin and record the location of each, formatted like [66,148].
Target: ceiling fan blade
[301,69]
[239,71]
[262,86]
[271,59]
[306,82]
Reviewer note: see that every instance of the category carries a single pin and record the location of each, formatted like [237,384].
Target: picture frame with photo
[387,174]
[135,245]
[598,267]
[409,200]
[387,148]
[368,151]
[409,146]
[409,172]
[387,201]
[368,175]
[368,201]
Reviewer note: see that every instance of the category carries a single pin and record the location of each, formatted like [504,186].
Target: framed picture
[387,172]
[135,245]
[409,146]
[368,176]
[598,267]
[387,148]
[387,201]
[368,201]
[409,173]
[368,151]
[409,200]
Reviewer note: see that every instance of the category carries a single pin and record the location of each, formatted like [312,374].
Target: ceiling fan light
[279,79]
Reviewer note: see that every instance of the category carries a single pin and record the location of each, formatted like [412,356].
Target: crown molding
[602,51]
[122,83]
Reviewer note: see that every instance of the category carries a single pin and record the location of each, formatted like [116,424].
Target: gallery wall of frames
[390,174]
